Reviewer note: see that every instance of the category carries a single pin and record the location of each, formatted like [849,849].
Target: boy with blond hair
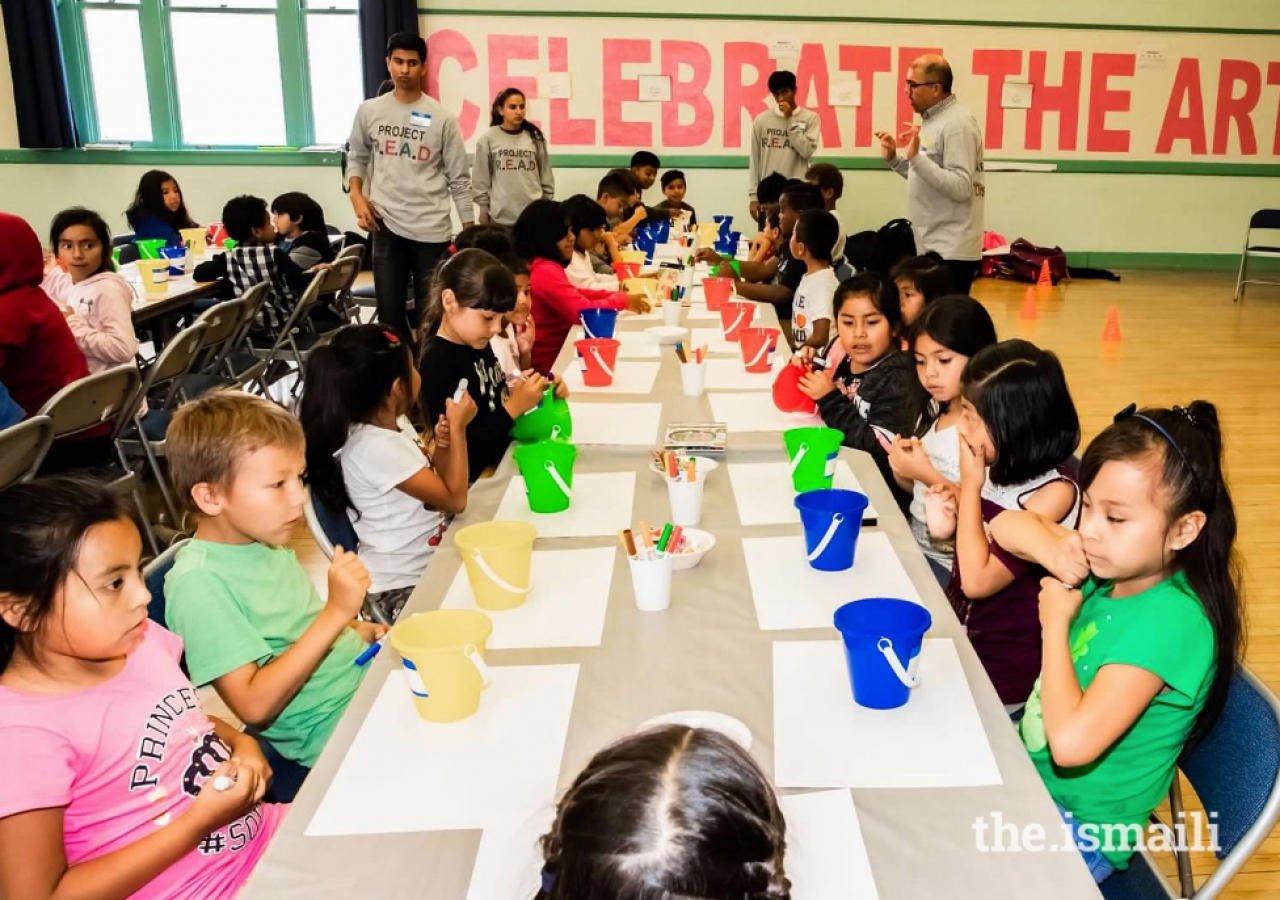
[254,627]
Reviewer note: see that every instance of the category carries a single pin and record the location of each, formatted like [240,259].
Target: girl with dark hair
[158,211]
[672,812]
[365,459]
[920,280]
[544,239]
[301,230]
[947,334]
[512,167]
[81,279]
[1142,621]
[1018,428]
[86,679]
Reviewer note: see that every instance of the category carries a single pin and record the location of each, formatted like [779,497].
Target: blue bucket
[599,323]
[882,641]
[832,520]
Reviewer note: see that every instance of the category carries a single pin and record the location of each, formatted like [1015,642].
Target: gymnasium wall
[1142,144]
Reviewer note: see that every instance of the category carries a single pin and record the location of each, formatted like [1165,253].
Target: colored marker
[462,389]
[372,650]
[665,538]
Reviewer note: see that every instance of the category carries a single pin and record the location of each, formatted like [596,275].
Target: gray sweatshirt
[946,187]
[509,173]
[783,145]
[411,158]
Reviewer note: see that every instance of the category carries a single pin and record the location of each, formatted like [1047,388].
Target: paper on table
[403,774]
[789,593]
[826,856]
[617,423]
[565,608]
[732,375]
[635,344]
[715,340]
[629,378]
[821,738]
[508,862]
[601,506]
[765,495]
[755,412]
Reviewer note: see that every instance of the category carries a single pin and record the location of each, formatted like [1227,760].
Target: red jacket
[556,307]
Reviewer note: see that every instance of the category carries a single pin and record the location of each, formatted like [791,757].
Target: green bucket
[547,467]
[548,421]
[149,249]
[813,453]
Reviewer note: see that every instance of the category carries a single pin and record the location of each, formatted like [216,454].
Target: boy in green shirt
[279,657]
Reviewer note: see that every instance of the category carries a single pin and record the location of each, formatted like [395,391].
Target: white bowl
[713,721]
[666,335]
[701,541]
[706,465]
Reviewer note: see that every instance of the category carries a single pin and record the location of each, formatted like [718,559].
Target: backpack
[1025,259]
[879,251]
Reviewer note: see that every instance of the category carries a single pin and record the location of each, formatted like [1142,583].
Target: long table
[705,652]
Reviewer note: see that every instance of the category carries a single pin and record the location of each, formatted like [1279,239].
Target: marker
[372,650]
[223,783]
[629,542]
[462,389]
[665,539]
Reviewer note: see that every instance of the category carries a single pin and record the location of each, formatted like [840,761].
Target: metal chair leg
[153,462]
[1177,812]
[1244,261]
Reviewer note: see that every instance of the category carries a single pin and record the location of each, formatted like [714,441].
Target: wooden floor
[1182,339]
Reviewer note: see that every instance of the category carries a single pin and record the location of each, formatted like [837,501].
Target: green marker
[665,538]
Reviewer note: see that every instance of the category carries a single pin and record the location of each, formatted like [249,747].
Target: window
[213,73]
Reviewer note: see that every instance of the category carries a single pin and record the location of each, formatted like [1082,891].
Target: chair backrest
[22,449]
[1265,218]
[154,574]
[355,251]
[129,253]
[107,396]
[174,362]
[342,276]
[329,528]
[121,238]
[222,323]
[253,299]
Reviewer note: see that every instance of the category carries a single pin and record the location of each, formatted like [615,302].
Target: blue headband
[1131,412]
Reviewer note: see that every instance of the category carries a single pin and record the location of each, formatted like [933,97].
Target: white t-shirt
[581,274]
[943,449]
[813,301]
[397,533]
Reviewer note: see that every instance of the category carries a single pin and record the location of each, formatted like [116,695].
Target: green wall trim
[274,157]
[868,20]
[1107,259]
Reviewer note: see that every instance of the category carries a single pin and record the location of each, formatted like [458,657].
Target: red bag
[1025,260]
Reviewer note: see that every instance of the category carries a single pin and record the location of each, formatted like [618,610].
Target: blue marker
[372,650]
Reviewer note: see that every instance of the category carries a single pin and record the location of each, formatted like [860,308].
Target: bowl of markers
[684,546]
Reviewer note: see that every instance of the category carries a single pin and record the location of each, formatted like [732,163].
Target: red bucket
[757,346]
[787,395]
[717,291]
[736,316]
[599,359]
[625,270]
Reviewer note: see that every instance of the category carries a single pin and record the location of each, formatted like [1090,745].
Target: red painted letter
[1103,100]
[906,56]
[813,91]
[565,129]
[1273,79]
[1238,108]
[865,62]
[1176,126]
[618,132]
[997,65]
[691,93]
[1064,99]
[739,96]
[442,45]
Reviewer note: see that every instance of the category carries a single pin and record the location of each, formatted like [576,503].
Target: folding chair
[345,301]
[153,574]
[22,449]
[1235,771]
[1262,220]
[221,362]
[330,528]
[296,338]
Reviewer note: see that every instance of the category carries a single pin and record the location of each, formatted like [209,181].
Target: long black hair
[478,280]
[42,527]
[346,382]
[150,201]
[539,230]
[669,812]
[495,113]
[302,208]
[1192,479]
[78,215]
[959,323]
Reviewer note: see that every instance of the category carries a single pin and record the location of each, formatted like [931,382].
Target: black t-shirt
[442,364]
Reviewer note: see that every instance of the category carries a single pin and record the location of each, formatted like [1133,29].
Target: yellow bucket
[443,656]
[498,556]
[708,234]
[155,276]
[637,256]
[196,239]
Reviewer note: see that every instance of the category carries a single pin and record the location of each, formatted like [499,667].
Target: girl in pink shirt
[116,783]
[543,237]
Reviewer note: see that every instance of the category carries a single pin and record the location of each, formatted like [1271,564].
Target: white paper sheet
[822,738]
[565,607]
[717,343]
[628,378]
[601,506]
[632,424]
[731,375]
[789,593]
[765,495]
[688,314]
[754,412]
[402,774]
[508,862]
[826,855]
[635,344]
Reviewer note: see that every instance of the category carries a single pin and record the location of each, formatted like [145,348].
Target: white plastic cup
[693,378]
[686,501]
[651,579]
[671,314]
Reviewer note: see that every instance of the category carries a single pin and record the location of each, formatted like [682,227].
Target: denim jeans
[1099,866]
[399,263]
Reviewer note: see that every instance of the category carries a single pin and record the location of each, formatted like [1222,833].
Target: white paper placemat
[629,378]
[601,506]
[826,855]
[765,496]
[630,424]
[754,412]
[724,374]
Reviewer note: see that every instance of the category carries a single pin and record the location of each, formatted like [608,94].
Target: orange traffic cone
[1111,330]
[1046,279]
[1029,310]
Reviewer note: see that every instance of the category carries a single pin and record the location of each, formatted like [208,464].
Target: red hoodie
[38,353]
[556,307]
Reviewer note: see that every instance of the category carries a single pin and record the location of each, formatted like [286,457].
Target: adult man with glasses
[942,161]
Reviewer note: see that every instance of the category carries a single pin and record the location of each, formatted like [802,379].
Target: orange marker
[691,471]
[629,542]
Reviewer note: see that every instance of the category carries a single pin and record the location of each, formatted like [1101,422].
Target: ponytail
[495,114]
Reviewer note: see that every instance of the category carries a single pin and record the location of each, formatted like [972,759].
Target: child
[364,458]
[513,345]
[669,812]
[110,764]
[764,245]
[469,297]
[512,167]
[920,280]
[1137,661]
[873,393]
[674,188]
[81,279]
[300,229]
[543,238]
[943,339]
[644,166]
[587,223]
[811,242]
[769,194]
[1018,428]
[829,180]
[158,211]
[492,239]
[617,190]
[282,659]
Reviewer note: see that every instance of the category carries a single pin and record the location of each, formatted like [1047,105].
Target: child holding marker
[117,784]
[513,345]
[365,460]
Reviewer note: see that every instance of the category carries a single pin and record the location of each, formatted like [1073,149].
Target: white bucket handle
[586,329]
[907,676]
[600,359]
[555,476]
[826,538]
[472,652]
[495,577]
[736,322]
[795,461]
[759,356]
[555,432]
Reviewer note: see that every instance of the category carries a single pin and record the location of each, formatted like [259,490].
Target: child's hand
[348,582]
[246,749]
[1068,562]
[707,255]
[321,267]
[370,632]
[907,457]
[460,414]
[804,356]
[562,389]
[816,385]
[214,808]
[1058,604]
[940,510]
[527,394]
[525,337]
[973,468]
[442,433]
[638,304]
